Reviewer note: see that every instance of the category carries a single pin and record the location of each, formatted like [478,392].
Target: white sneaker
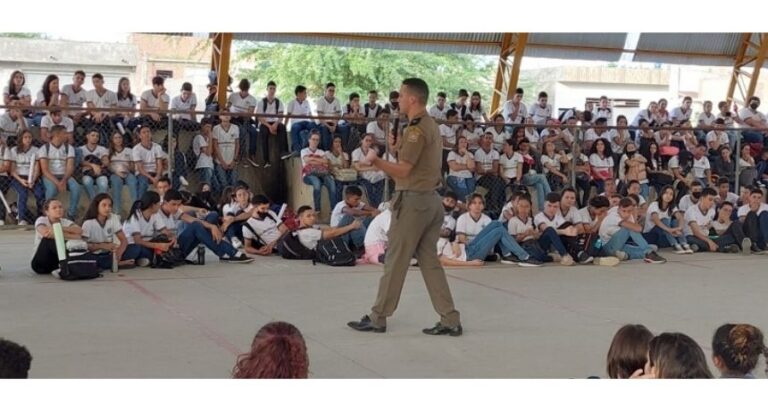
[566,260]
[2,222]
[621,255]
[679,249]
[142,262]
[121,128]
[23,222]
[687,249]
[237,243]
[606,261]
[183,181]
[56,273]
[654,247]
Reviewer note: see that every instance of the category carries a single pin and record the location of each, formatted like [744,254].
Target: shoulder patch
[412,134]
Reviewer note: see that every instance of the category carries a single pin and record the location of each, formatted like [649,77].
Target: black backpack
[80,267]
[291,248]
[335,253]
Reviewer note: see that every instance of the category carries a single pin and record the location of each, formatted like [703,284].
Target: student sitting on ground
[551,217]
[723,192]
[15,360]
[347,211]
[45,257]
[698,222]
[733,231]
[536,243]
[754,217]
[140,228]
[628,352]
[620,226]
[689,200]
[454,254]
[674,356]
[663,223]
[376,238]
[309,235]
[236,213]
[278,351]
[736,348]
[100,230]
[263,229]
[481,235]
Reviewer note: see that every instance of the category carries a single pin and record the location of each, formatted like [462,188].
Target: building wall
[576,94]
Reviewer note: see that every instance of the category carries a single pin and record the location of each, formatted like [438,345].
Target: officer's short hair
[418,88]
[353,191]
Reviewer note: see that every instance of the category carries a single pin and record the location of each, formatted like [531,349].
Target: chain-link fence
[125,152]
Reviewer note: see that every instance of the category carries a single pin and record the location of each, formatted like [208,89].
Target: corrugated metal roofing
[706,49]
[576,46]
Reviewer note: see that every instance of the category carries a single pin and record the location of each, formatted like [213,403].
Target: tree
[25,35]
[359,70]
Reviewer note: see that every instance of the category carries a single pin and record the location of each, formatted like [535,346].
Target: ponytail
[149,199]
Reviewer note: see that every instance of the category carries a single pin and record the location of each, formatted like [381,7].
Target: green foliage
[24,35]
[359,70]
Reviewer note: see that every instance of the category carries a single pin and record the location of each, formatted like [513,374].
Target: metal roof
[674,48]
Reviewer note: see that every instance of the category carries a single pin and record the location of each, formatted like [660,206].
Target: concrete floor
[551,322]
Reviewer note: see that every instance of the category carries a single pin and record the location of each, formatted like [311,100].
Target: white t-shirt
[379,135]
[136,224]
[572,216]
[469,227]
[720,137]
[8,126]
[509,108]
[476,114]
[449,223]
[508,208]
[44,221]
[274,107]
[203,160]
[378,229]
[677,115]
[307,152]
[729,197]
[553,161]
[694,214]
[654,208]
[554,222]
[23,160]
[605,113]
[66,122]
[591,135]
[473,137]
[707,120]
[445,249]
[686,203]
[170,221]
[309,237]
[106,100]
[498,137]
[610,225]
[328,109]
[518,226]
[486,159]
[226,140]
[453,156]
[98,151]
[94,232]
[152,101]
[178,104]
[540,114]
[336,161]
[509,164]
[532,135]
[298,109]
[744,210]
[120,162]
[24,92]
[75,98]
[239,104]
[585,217]
[613,138]
[447,132]
[268,228]
[374,176]
[127,102]
[700,167]
[147,157]
[601,163]
[337,214]
[57,157]
[437,113]
[747,112]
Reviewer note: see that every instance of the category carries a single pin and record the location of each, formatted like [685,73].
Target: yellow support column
[508,72]
[222,46]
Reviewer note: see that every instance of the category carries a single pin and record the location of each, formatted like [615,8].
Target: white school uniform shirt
[226,140]
[309,236]
[453,156]
[585,217]
[445,249]
[170,221]
[509,107]
[379,135]
[147,156]
[469,227]
[704,221]
[508,207]
[75,98]
[677,115]
[727,119]
[654,208]
[606,113]
[57,157]
[707,120]
[99,151]
[744,210]
[120,162]
[234,208]
[307,152]
[729,197]
[24,92]
[517,226]
[273,107]
[476,114]
[437,113]
[327,108]
[10,127]
[550,161]
[473,137]
[268,228]
[509,164]
[747,112]
[240,104]
[613,135]
[572,216]
[532,135]
[686,203]
[47,123]
[591,135]
[23,160]
[700,167]
[152,100]
[720,137]
[5,154]
[378,229]
[374,176]
[178,104]
[338,212]
[298,109]
[498,137]
[136,224]
[642,115]
[106,100]
[127,102]
[94,232]
[447,132]
[486,159]
[198,144]
[554,222]
[540,114]
[44,221]
[610,225]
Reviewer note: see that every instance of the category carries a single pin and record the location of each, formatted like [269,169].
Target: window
[616,102]
[166,74]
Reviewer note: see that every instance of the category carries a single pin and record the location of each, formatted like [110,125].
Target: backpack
[368,110]
[335,253]
[291,248]
[80,267]
[265,101]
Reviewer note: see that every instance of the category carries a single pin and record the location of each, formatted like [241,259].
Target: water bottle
[200,254]
[598,243]
[114,262]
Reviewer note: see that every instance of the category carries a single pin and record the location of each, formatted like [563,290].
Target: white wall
[575,95]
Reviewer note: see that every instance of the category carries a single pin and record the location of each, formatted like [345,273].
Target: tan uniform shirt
[421,146]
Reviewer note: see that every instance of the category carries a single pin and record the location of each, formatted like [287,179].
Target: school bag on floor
[335,253]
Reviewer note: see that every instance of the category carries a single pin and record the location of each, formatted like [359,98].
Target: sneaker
[142,262]
[654,258]
[746,246]
[731,249]
[566,260]
[267,165]
[253,162]
[654,247]
[183,181]
[621,255]
[414,262]
[530,262]
[236,243]
[606,261]
[286,156]
[509,259]
[2,222]
[23,222]
[492,258]
[694,248]
[239,258]
[679,249]
[56,273]
[688,249]
[584,258]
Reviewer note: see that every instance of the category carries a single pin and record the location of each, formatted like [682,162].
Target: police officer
[417,215]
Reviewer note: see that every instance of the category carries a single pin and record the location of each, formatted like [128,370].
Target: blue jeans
[317,183]
[462,187]
[117,190]
[751,137]
[22,193]
[356,237]
[374,191]
[248,134]
[74,193]
[549,238]
[663,239]
[102,184]
[227,178]
[300,135]
[235,230]
[540,183]
[488,238]
[645,191]
[135,251]
[206,176]
[619,242]
[142,184]
[194,234]
[326,138]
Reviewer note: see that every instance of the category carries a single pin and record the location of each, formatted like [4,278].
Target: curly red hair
[278,351]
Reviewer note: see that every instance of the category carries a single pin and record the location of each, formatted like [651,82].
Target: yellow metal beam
[508,73]
[759,60]
[222,46]
[739,62]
